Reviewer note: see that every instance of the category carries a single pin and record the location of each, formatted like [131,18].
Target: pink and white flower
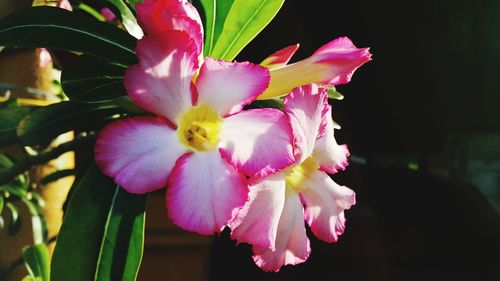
[199,143]
[332,64]
[273,218]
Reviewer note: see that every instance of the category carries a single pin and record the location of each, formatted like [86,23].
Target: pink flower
[273,218]
[332,64]
[199,142]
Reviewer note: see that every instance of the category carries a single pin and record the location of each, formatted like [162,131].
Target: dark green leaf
[123,240]
[58,175]
[93,81]
[1,204]
[265,104]
[231,25]
[128,19]
[37,261]
[10,117]
[46,123]
[59,29]
[5,162]
[15,219]
[102,233]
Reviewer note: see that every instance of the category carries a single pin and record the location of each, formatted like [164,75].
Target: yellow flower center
[296,176]
[199,128]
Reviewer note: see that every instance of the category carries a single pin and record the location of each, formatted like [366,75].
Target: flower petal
[343,57]
[205,193]
[332,64]
[228,86]
[138,153]
[325,203]
[306,106]
[257,222]
[330,155]
[280,58]
[158,16]
[292,244]
[161,82]
[257,142]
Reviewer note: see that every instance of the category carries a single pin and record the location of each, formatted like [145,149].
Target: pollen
[199,128]
[297,176]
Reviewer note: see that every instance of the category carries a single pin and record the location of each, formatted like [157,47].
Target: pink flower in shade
[199,142]
[273,218]
[333,64]
[64,4]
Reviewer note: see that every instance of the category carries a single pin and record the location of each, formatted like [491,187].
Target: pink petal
[332,64]
[343,57]
[161,82]
[325,203]
[280,58]
[330,155]
[257,222]
[205,193]
[292,244]
[257,142]
[138,153]
[158,16]
[306,106]
[228,86]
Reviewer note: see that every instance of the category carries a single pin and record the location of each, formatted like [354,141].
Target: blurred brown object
[169,252]
[8,6]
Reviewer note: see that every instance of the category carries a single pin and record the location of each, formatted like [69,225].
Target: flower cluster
[260,172]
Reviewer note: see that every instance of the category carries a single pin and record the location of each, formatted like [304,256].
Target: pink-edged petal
[325,203]
[138,153]
[158,16]
[332,64]
[257,222]
[257,142]
[343,57]
[228,86]
[292,244]
[280,58]
[161,82]
[327,152]
[205,193]
[306,106]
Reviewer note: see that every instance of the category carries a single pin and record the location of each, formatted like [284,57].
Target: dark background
[429,100]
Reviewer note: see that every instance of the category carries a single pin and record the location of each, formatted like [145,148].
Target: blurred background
[422,121]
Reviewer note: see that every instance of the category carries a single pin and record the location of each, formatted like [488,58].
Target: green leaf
[93,81]
[15,219]
[123,239]
[102,233]
[128,19]
[231,25]
[37,261]
[46,123]
[56,28]
[1,204]
[334,94]
[31,278]
[10,117]
[38,223]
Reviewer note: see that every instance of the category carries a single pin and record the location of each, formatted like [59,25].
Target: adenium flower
[273,218]
[332,64]
[198,142]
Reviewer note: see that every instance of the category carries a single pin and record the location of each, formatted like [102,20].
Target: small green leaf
[102,234]
[56,28]
[5,162]
[128,19]
[93,81]
[46,123]
[38,223]
[15,219]
[10,116]
[334,94]
[1,204]
[231,25]
[31,278]
[37,261]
